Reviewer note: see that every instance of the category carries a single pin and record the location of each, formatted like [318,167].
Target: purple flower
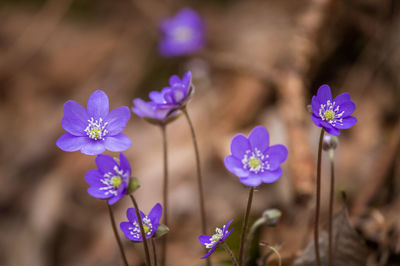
[253,160]
[151,222]
[152,112]
[110,181]
[182,34]
[332,114]
[94,130]
[212,242]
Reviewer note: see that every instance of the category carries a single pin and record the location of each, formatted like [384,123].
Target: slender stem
[330,221]
[244,227]
[165,195]
[226,247]
[318,200]
[121,249]
[139,218]
[153,244]
[199,178]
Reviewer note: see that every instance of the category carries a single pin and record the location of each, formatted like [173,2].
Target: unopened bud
[330,142]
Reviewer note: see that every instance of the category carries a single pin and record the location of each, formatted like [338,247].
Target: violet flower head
[110,181]
[332,114]
[253,160]
[153,112]
[212,242]
[151,222]
[94,130]
[182,34]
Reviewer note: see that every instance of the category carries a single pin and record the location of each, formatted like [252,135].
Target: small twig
[226,247]
[244,227]
[274,250]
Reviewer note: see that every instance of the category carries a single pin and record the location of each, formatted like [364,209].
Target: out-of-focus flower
[182,34]
[213,241]
[153,112]
[253,160]
[151,222]
[332,114]
[94,130]
[110,180]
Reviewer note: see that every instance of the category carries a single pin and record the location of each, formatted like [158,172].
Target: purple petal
[315,105]
[93,177]
[271,176]
[239,146]
[316,120]
[347,107]
[75,118]
[347,122]
[114,199]
[174,79]
[124,163]
[331,130]
[277,155]
[259,138]
[226,236]
[156,97]
[105,163]
[209,252]
[187,80]
[131,215]
[117,143]
[117,120]
[93,147]
[68,142]
[125,229]
[97,105]
[324,94]
[342,98]
[204,239]
[155,215]
[235,166]
[251,181]
[97,193]
[227,226]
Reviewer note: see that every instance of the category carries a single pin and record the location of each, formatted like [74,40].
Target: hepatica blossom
[94,130]
[213,241]
[182,34]
[151,222]
[164,104]
[110,181]
[332,114]
[253,160]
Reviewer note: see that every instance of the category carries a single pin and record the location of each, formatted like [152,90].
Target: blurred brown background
[262,63]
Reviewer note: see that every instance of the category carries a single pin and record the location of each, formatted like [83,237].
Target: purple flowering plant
[253,160]
[95,129]
[215,240]
[150,222]
[111,178]
[332,114]
[182,34]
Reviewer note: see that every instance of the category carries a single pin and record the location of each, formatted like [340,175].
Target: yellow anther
[116,181]
[254,162]
[329,115]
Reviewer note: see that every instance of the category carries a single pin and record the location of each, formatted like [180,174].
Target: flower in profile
[153,113]
[94,130]
[253,160]
[110,181]
[182,34]
[334,114]
[151,222]
[212,242]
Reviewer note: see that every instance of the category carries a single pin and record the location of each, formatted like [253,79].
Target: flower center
[182,34]
[96,129]
[116,181]
[255,161]
[215,237]
[147,227]
[330,112]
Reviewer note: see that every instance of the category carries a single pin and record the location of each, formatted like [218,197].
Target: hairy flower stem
[121,249]
[331,192]
[199,177]
[153,244]
[165,195]
[318,200]
[139,218]
[244,227]
[227,249]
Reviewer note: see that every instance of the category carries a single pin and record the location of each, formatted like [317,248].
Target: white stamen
[332,108]
[255,161]
[96,129]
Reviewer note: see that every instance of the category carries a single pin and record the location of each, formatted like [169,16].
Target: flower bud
[330,142]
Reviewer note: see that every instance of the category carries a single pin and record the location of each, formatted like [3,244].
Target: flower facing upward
[332,114]
[182,34]
[94,130]
[253,160]
[151,222]
[110,181]
[212,242]
[164,104]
